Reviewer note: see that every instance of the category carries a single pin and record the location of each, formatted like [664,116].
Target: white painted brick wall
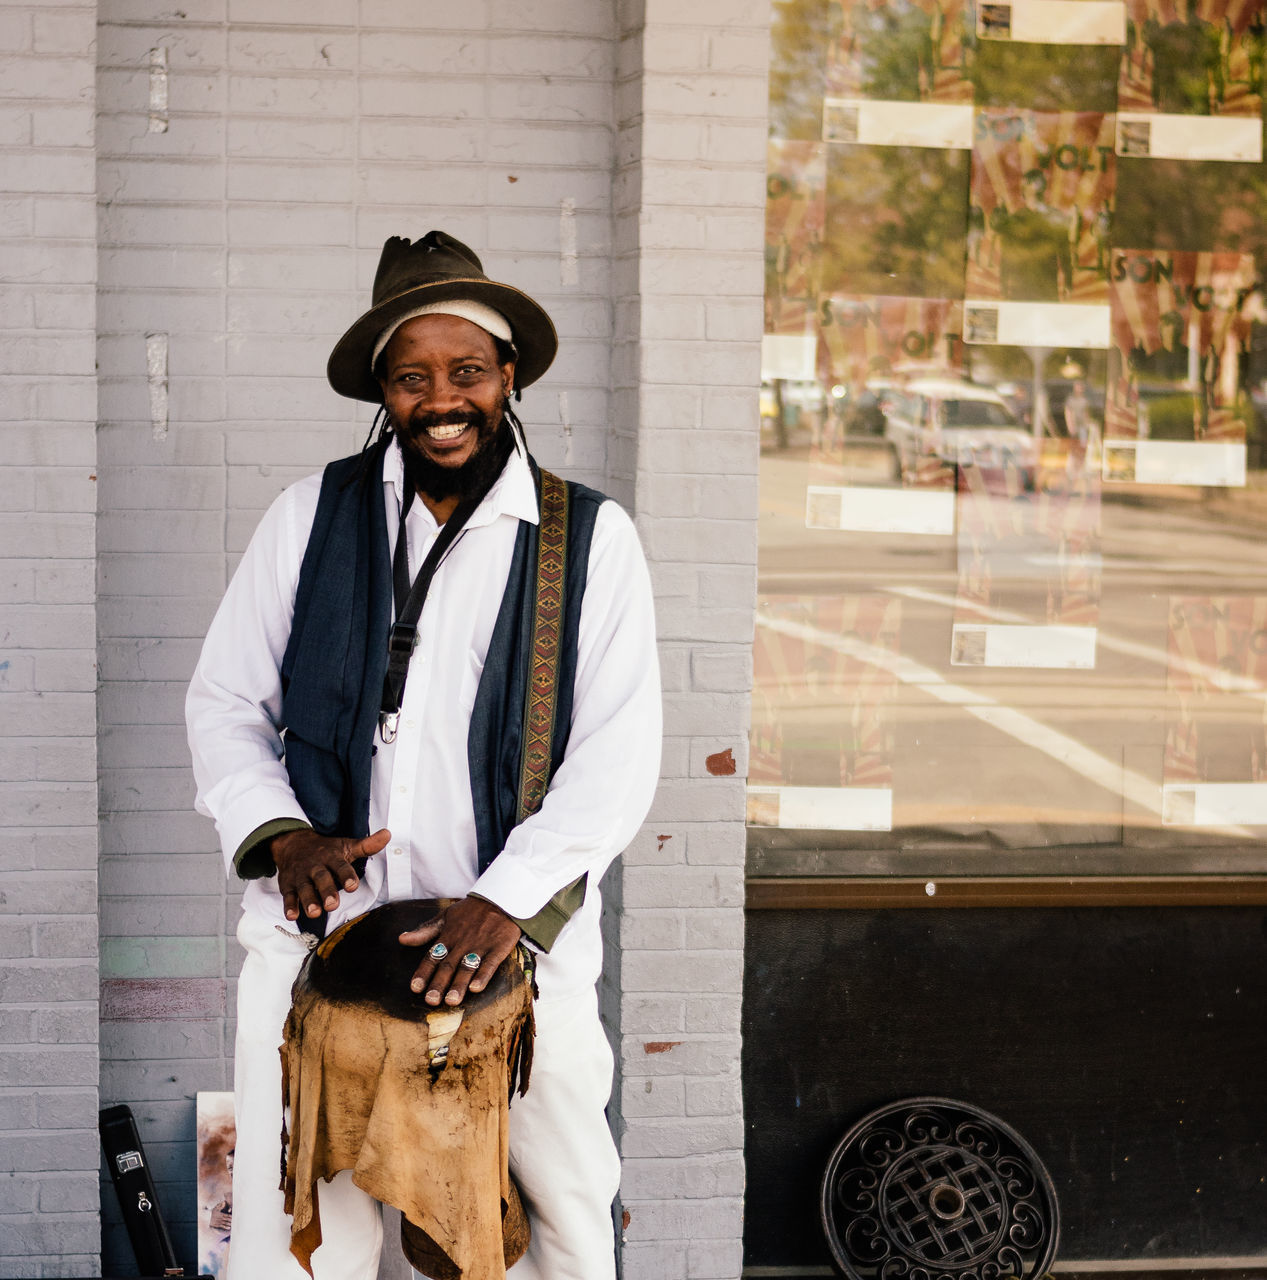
[247,233]
[688,281]
[48,824]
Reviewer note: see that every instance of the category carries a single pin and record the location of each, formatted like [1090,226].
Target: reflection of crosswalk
[1224,681]
[1018,725]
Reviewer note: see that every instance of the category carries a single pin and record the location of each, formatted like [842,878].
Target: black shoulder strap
[409,602]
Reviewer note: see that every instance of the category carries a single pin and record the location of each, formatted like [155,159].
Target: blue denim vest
[332,671]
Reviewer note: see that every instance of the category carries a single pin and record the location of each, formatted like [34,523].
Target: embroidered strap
[541,696]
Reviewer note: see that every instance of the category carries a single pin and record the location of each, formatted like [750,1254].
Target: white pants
[561,1150]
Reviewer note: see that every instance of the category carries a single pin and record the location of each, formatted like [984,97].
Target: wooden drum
[414,1099]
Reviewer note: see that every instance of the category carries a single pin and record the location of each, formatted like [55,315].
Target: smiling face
[444,390]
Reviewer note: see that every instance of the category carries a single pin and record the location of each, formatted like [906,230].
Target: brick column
[689,210]
[48,794]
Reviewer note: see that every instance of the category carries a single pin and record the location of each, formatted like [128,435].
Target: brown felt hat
[436,268]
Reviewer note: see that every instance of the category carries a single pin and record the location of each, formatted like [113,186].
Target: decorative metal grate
[933,1189]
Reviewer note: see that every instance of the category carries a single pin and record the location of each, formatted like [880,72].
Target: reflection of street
[989,759]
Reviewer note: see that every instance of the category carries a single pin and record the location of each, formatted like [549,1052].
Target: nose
[442,396]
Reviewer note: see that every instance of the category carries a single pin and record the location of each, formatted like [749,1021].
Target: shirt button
[411,724]
[404,791]
[398,849]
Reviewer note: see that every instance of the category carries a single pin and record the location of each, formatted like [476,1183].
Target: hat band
[478,313]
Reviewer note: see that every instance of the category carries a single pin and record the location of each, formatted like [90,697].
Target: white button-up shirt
[420,784]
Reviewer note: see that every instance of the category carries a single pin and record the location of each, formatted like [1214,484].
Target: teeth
[447,432]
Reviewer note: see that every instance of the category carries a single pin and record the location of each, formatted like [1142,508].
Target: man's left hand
[471,925]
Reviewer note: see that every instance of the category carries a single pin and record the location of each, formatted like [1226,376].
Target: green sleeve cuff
[254,858]
[545,927]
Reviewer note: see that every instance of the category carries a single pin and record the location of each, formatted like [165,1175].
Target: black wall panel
[1129,1046]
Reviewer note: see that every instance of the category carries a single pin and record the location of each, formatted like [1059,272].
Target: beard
[469,479]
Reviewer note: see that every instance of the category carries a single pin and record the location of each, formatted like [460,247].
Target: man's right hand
[311,868]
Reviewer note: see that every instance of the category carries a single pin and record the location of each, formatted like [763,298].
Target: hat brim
[349,369]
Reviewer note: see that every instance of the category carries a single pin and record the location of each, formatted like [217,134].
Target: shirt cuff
[544,928]
[254,858]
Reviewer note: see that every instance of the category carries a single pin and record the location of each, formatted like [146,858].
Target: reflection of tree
[897,221]
[1223,206]
[799,36]
[1046,77]
[1187,65]
[897,49]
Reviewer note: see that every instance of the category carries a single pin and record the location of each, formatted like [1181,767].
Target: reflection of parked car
[961,424]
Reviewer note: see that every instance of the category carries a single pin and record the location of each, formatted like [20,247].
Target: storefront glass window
[1012,612]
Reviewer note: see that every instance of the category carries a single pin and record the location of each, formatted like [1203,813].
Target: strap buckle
[387,725]
[401,641]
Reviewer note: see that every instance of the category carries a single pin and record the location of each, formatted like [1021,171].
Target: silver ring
[438,951]
[471,960]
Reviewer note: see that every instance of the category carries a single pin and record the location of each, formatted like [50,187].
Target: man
[419,791]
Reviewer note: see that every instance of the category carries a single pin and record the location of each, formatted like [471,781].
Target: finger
[440,980]
[371,844]
[324,884]
[422,976]
[308,899]
[458,984]
[424,933]
[492,961]
[344,873]
[290,903]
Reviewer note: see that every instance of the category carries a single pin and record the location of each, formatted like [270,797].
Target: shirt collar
[513,493]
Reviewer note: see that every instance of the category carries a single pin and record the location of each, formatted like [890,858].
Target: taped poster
[869,349]
[1041,206]
[1215,764]
[216,1140]
[900,50]
[1029,568]
[822,724]
[1054,21]
[898,124]
[1172,137]
[794,221]
[1181,337]
[1193,58]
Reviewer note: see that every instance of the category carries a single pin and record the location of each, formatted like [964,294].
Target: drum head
[363,963]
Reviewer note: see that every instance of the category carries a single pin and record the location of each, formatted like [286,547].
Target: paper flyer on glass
[1191,78]
[1053,21]
[1215,764]
[1041,207]
[871,470]
[1181,335]
[821,752]
[899,73]
[1029,568]
[795,213]
[216,1139]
